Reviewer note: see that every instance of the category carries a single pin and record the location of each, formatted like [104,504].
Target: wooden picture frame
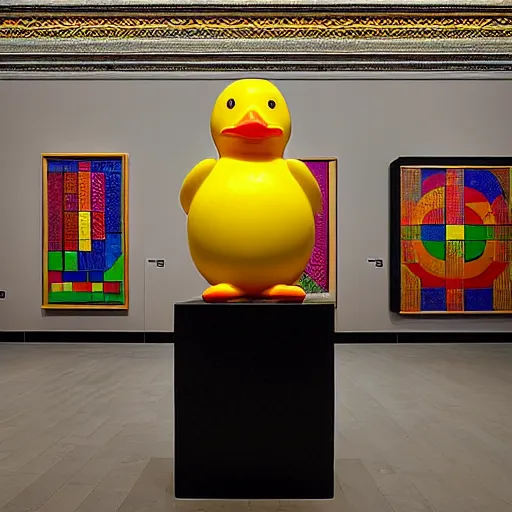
[77,243]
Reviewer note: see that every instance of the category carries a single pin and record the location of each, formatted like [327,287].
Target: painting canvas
[85,211]
[451,236]
[319,277]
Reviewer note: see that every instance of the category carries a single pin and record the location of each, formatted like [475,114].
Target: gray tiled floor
[88,428]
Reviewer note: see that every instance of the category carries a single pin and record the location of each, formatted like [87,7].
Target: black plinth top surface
[250,302]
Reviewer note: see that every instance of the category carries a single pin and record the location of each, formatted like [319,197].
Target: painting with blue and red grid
[85,254]
[452,235]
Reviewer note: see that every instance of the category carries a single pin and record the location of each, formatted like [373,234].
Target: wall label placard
[376,262]
[157,263]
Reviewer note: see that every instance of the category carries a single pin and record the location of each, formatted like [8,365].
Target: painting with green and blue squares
[85,231]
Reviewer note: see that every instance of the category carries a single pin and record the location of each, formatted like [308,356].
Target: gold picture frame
[123,197]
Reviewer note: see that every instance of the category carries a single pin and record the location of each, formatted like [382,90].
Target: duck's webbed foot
[222,293]
[285,293]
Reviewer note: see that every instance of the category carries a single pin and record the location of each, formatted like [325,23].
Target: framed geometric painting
[319,277]
[85,231]
[451,235]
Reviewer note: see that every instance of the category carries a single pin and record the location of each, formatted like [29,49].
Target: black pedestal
[254,401]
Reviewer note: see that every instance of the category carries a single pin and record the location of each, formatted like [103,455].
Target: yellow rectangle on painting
[67,287]
[84,225]
[57,287]
[455,232]
[97,287]
[85,245]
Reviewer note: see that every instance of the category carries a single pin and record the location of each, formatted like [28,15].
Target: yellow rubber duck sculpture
[251,213]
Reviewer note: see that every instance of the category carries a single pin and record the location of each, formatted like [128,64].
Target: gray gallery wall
[163,125]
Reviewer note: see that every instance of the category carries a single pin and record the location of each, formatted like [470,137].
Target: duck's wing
[308,183]
[193,181]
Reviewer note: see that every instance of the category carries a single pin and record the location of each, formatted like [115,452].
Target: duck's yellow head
[251,119]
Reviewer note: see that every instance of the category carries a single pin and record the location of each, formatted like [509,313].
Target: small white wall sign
[160,263]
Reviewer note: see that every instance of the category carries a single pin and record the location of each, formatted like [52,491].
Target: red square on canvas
[112,287]
[98,226]
[82,287]
[54,277]
[71,245]
[84,166]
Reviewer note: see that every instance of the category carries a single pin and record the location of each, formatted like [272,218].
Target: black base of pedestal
[254,401]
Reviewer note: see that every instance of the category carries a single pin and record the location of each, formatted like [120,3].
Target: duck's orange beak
[253,126]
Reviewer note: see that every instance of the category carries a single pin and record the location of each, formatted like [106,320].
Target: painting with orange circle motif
[451,235]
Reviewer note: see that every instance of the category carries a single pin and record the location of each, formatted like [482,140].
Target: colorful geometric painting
[452,236]
[85,257]
[319,277]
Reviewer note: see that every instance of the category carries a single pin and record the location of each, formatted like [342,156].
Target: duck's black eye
[230,103]
[271,104]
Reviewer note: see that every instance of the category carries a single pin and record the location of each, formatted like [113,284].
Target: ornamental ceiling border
[252,37]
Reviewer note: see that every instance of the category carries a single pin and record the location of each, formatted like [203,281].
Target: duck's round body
[251,225]
[251,213]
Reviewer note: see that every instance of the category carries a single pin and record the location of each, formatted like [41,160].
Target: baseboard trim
[364,337]
[454,337]
[431,337]
[86,337]
[159,337]
[12,336]
[82,336]
[168,337]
